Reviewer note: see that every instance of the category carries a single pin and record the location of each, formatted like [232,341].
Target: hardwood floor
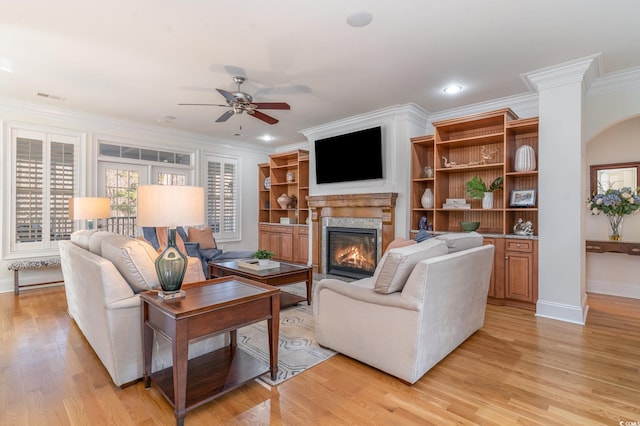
[518,369]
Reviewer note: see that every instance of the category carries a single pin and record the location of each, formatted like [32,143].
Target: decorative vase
[284,201]
[427,199]
[291,176]
[263,262]
[487,200]
[525,160]
[615,226]
[171,265]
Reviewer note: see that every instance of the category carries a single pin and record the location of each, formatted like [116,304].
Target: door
[119,182]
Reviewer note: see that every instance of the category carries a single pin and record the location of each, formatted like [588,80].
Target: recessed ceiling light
[165,119]
[359,19]
[451,89]
[266,138]
[6,65]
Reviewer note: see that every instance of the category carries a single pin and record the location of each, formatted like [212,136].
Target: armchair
[406,329]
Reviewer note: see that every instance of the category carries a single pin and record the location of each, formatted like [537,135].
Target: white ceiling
[136,60]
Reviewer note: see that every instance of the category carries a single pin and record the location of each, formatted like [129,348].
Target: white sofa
[423,301]
[103,274]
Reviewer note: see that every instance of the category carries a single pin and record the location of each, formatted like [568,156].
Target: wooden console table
[613,247]
[209,307]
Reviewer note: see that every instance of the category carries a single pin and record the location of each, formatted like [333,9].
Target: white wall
[399,124]
[613,273]
[93,127]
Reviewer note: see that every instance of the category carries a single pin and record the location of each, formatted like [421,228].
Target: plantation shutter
[29,190]
[222,197]
[44,176]
[62,175]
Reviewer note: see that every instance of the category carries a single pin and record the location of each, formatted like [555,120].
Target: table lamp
[170,206]
[89,208]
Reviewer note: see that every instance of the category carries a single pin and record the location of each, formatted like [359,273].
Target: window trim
[228,236]
[11,249]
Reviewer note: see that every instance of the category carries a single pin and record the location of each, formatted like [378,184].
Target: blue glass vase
[171,265]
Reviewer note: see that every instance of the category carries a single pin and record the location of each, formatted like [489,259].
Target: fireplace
[351,252]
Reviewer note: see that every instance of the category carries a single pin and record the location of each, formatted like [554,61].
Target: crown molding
[411,112]
[91,123]
[584,70]
[525,105]
[616,82]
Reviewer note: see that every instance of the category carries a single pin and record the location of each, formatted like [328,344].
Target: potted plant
[263,256]
[477,189]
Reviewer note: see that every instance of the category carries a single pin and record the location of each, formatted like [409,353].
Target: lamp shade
[170,205]
[81,208]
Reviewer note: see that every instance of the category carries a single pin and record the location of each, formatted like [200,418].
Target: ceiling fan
[240,102]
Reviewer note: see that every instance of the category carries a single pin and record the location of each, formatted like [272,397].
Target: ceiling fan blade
[228,96]
[262,116]
[207,105]
[271,105]
[224,117]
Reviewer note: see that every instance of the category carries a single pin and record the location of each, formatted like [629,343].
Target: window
[44,175]
[222,197]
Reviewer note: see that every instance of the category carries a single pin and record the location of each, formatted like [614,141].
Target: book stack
[456,203]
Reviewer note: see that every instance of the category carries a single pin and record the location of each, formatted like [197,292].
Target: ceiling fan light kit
[240,102]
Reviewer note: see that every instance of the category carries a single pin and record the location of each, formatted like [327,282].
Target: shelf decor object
[170,206]
[89,208]
[427,199]
[525,160]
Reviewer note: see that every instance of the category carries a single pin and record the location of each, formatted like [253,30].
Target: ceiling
[136,60]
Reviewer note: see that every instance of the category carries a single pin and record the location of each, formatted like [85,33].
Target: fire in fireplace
[351,252]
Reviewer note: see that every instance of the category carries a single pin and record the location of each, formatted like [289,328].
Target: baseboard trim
[563,312]
[614,289]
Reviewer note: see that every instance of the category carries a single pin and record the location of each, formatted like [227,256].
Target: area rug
[297,348]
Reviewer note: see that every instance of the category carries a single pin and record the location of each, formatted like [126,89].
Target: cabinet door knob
[518,245]
[506,258]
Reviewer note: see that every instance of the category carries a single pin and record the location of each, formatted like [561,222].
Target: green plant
[263,254]
[476,187]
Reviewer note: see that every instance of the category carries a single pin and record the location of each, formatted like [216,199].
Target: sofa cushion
[95,241]
[395,266]
[134,259]
[203,236]
[81,238]
[459,241]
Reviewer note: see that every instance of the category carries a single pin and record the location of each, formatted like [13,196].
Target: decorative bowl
[469,226]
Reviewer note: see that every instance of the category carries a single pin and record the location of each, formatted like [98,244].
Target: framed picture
[523,198]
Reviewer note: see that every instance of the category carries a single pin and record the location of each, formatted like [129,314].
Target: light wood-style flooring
[518,369]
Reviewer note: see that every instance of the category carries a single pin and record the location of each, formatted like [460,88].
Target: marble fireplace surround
[373,210]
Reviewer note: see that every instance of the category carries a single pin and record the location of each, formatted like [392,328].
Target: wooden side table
[209,308]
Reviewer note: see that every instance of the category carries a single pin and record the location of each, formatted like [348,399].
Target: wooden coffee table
[285,274]
[209,308]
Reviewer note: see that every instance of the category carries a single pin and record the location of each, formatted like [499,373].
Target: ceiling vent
[50,96]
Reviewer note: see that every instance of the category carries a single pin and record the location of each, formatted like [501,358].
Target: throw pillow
[203,236]
[163,240]
[459,241]
[422,235]
[134,259]
[399,242]
[395,266]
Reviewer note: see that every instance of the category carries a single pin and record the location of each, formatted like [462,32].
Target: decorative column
[561,279]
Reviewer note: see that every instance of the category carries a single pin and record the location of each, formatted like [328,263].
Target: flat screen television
[349,157]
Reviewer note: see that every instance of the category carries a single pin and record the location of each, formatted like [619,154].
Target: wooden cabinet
[278,239]
[482,145]
[286,173]
[301,244]
[521,272]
